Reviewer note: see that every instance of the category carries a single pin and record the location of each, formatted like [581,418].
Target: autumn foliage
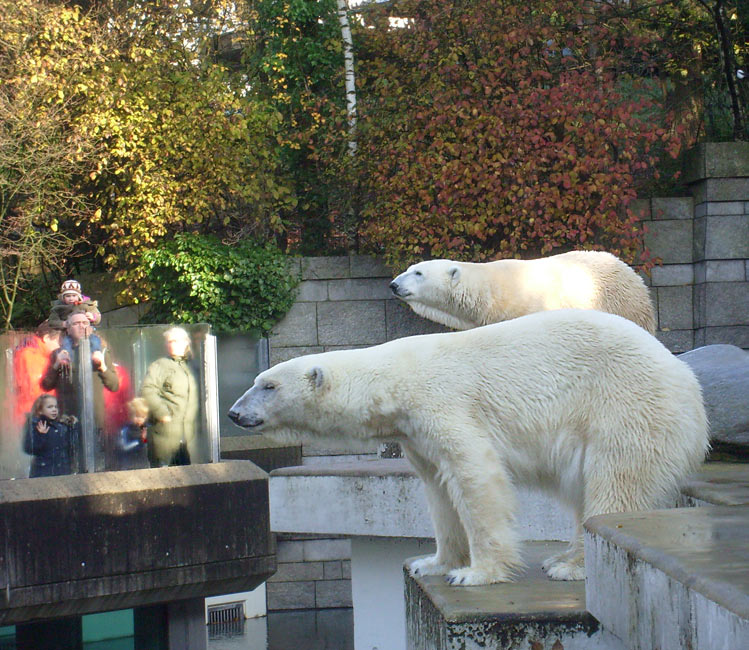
[504,128]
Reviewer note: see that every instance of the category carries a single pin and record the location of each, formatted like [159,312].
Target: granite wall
[701,291]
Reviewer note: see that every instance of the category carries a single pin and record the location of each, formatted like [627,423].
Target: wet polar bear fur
[463,295]
[583,404]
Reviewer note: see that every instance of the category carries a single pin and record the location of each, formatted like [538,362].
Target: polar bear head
[282,399]
[447,292]
[319,396]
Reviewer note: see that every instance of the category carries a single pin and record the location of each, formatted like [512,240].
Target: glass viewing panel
[95,428]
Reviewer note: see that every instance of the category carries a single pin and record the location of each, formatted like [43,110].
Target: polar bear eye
[417,273]
[269,387]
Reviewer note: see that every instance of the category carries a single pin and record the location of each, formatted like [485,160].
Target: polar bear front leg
[452,544]
[482,493]
[570,564]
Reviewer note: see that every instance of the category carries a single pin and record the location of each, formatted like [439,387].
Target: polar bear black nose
[394,287]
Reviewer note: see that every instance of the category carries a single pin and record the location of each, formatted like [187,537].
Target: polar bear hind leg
[570,564]
[612,482]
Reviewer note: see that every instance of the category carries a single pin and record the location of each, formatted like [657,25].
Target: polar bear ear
[454,273]
[316,376]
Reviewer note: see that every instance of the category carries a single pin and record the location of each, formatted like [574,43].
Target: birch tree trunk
[348,63]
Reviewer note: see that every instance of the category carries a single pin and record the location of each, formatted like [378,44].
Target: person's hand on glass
[63,359]
[97,358]
[42,426]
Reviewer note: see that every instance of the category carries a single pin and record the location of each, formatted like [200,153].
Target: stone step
[671,578]
[533,613]
[718,484]
[383,498]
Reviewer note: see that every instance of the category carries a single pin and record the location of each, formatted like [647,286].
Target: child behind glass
[50,438]
[131,443]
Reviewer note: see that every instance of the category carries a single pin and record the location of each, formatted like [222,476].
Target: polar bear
[583,404]
[463,295]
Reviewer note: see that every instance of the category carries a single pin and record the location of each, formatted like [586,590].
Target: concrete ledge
[533,612]
[265,453]
[369,498]
[113,540]
[382,498]
[671,578]
[720,484]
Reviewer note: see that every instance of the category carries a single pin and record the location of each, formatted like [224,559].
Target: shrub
[198,278]
[497,129]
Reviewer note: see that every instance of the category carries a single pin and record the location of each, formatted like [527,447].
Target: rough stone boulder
[723,372]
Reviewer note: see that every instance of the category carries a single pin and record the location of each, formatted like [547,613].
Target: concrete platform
[383,498]
[719,484]
[534,613]
[87,543]
[265,453]
[671,578]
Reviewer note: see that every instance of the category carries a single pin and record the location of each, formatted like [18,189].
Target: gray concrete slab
[114,540]
[533,612]
[383,498]
[721,484]
[671,578]
[532,596]
[264,452]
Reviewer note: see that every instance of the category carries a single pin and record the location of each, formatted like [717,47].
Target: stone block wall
[343,302]
[701,291]
[313,573]
[669,236]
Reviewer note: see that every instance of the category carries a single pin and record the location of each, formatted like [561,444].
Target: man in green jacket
[171,392]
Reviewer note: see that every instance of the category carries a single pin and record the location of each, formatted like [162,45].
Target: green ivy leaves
[198,278]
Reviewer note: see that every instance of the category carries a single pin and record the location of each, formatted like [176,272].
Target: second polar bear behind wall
[463,295]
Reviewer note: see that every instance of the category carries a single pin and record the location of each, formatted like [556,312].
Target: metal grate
[225,613]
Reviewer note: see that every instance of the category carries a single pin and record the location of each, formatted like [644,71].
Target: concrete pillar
[179,625]
[377,589]
[718,174]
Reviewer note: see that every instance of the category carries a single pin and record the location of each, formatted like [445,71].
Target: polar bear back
[578,279]
[530,373]
[464,294]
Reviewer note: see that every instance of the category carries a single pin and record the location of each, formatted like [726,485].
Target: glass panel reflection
[141,401]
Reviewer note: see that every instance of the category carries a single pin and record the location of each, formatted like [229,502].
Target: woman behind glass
[171,392]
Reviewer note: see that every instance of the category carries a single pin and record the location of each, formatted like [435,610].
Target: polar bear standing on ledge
[583,404]
[463,295]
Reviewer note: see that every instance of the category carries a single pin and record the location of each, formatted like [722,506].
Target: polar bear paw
[467,577]
[428,566]
[566,556]
[565,570]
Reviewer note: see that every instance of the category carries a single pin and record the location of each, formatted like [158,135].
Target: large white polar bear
[463,295]
[584,404]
